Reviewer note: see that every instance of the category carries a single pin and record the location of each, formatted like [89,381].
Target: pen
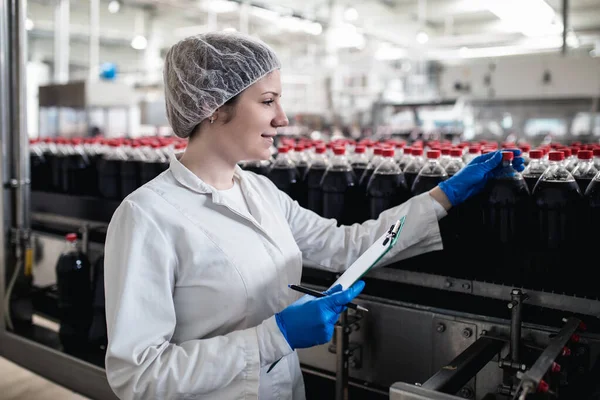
[316,293]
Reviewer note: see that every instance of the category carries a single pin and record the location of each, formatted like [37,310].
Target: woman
[198,261]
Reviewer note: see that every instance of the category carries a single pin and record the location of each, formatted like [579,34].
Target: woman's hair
[205,72]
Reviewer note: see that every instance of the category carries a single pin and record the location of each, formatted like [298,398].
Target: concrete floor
[17,383]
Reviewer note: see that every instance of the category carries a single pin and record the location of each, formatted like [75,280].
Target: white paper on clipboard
[368,259]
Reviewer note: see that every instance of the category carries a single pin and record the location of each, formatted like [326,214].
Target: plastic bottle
[445,157]
[337,184]
[78,169]
[585,170]
[505,222]
[156,162]
[414,167]
[557,200]
[570,159]
[455,163]
[283,172]
[372,166]
[109,171]
[359,161]
[525,149]
[473,152]
[130,169]
[387,186]
[535,169]
[301,160]
[313,180]
[406,158]
[40,169]
[430,175]
[73,277]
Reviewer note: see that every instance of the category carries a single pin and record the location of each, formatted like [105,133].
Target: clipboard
[371,256]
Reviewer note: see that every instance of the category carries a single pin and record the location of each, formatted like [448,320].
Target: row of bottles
[106,168]
[521,227]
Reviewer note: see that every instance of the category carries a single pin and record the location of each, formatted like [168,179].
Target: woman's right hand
[310,321]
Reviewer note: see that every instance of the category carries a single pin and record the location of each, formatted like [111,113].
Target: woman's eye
[268,102]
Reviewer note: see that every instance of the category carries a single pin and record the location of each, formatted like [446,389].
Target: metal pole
[565,17]
[61,41]
[4,132]
[94,50]
[342,356]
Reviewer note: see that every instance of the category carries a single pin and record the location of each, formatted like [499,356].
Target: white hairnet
[203,72]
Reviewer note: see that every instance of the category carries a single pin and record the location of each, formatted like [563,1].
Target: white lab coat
[192,284]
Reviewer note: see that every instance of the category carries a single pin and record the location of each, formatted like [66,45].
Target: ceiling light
[222,6]
[264,13]
[422,37]
[139,42]
[345,36]
[351,14]
[530,17]
[230,30]
[28,24]
[464,51]
[114,6]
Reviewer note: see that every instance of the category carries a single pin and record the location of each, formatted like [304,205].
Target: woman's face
[257,116]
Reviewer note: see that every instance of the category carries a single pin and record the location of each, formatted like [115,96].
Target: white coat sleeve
[141,363]
[325,245]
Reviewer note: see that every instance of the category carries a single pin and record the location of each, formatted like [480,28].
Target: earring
[212,120]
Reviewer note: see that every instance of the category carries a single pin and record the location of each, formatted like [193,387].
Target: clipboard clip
[391,234]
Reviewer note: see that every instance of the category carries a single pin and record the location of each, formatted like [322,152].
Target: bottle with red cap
[455,163]
[74,283]
[387,186]
[585,170]
[260,167]
[445,157]
[377,158]
[338,186]
[525,149]
[109,171]
[430,175]
[505,207]
[283,172]
[557,200]
[406,158]
[473,152]
[359,160]
[536,167]
[40,168]
[412,169]
[318,166]
[301,160]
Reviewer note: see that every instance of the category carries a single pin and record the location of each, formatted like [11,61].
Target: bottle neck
[72,246]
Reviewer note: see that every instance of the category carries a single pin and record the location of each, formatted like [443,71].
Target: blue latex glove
[472,178]
[310,321]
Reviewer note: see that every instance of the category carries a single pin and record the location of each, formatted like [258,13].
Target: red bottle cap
[536,154]
[71,237]
[339,150]
[556,156]
[508,155]
[433,154]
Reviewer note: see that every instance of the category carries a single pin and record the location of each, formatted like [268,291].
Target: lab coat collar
[188,179]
